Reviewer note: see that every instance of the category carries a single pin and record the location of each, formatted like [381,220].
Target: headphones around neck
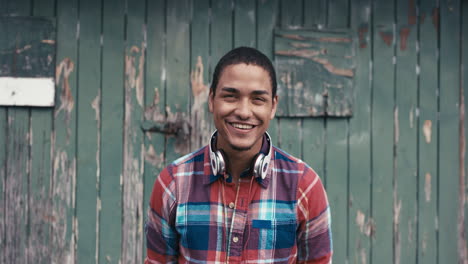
[218,159]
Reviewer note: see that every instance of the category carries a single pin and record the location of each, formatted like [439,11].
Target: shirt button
[235,239]
[231,205]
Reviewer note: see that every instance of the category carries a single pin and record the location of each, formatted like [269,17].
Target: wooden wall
[76,178]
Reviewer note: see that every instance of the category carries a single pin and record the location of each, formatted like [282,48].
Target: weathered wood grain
[463,222]
[267,17]
[405,120]
[201,120]
[336,159]
[360,222]
[39,241]
[383,210]
[64,136]
[449,33]
[428,134]
[133,213]
[88,131]
[289,129]
[18,169]
[111,145]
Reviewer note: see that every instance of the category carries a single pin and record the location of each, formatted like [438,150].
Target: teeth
[242,126]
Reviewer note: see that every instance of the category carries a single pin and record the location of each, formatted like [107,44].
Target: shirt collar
[210,177]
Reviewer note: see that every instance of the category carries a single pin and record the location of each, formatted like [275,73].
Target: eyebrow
[234,90]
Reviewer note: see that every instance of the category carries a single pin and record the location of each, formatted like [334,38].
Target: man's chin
[240,148]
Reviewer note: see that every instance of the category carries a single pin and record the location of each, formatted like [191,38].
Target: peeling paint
[427,186]
[363,30]
[411,117]
[412,12]
[300,45]
[365,227]
[404,34]
[427,130]
[136,80]
[63,71]
[387,37]
[153,158]
[396,124]
[462,250]
[396,224]
[293,36]
[363,255]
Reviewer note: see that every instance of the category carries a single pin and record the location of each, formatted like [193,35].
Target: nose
[243,110]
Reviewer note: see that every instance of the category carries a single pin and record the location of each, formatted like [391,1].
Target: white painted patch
[27,91]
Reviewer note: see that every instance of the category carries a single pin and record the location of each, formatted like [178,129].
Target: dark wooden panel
[267,17]
[360,222]
[382,131]
[40,241]
[449,32]
[337,144]
[88,130]
[64,135]
[154,98]
[428,133]
[111,156]
[133,213]
[405,120]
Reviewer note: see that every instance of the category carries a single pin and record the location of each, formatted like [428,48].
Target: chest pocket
[274,234]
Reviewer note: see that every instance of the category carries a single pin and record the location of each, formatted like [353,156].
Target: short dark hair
[249,56]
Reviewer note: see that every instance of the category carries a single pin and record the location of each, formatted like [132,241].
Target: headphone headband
[218,159]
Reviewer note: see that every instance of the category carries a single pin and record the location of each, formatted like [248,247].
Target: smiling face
[242,107]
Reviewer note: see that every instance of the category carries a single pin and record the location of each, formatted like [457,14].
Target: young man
[239,199]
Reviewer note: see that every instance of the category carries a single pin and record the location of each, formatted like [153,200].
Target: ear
[210,101]
[274,106]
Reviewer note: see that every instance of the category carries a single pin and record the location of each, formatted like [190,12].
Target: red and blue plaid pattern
[283,218]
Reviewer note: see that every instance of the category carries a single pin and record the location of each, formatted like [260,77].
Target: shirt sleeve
[314,242]
[161,237]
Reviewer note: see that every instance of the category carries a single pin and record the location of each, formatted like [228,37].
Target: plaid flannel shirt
[198,217]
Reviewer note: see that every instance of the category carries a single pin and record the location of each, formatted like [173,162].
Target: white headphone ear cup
[257,169]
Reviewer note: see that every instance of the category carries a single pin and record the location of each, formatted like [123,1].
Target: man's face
[242,107]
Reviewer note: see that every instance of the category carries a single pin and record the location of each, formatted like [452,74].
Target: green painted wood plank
[382,131]
[464,91]
[360,222]
[428,134]
[290,129]
[405,122]
[39,241]
[17,174]
[315,14]
[64,136]
[178,72]
[154,98]
[221,30]
[88,131]
[18,7]
[449,33]
[133,212]
[336,160]
[3,168]
[245,23]
[201,120]
[110,195]
[267,18]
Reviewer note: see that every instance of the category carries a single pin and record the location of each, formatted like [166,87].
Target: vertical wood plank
[290,129]
[360,223]
[3,169]
[336,159]
[267,19]
[39,241]
[463,103]
[133,214]
[313,129]
[405,120]
[382,131]
[221,30]
[244,23]
[64,135]
[154,97]
[428,133]
[18,170]
[200,117]
[448,127]
[110,195]
[178,72]
[88,131]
